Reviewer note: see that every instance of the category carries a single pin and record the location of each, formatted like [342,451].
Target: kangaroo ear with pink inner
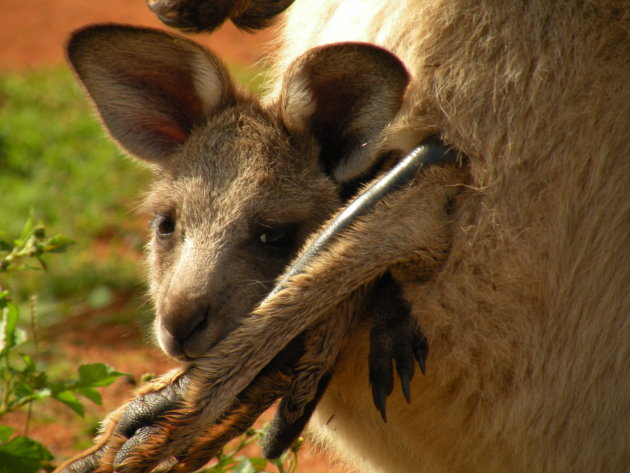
[150,88]
[345,94]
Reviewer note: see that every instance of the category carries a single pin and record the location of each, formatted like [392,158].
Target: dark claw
[379,394]
[420,350]
[381,372]
[394,336]
[404,363]
[405,379]
[282,434]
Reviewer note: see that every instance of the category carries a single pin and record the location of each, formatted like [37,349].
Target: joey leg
[418,232]
[313,372]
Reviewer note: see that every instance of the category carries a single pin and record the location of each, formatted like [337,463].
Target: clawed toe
[394,338]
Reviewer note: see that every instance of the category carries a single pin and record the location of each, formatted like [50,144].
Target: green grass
[56,160]
[252,79]
[55,157]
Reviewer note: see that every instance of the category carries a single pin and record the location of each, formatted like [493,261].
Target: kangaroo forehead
[242,139]
[240,162]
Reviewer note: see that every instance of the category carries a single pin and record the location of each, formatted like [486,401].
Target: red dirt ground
[32,34]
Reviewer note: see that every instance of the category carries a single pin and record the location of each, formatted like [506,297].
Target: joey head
[228,215]
[238,186]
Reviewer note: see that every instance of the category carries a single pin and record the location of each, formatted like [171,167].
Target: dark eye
[281,237]
[164,226]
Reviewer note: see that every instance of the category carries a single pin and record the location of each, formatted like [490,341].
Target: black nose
[181,324]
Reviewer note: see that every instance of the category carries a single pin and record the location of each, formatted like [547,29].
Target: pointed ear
[345,94]
[149,87]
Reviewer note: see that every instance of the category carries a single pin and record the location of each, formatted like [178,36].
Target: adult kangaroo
[516,266]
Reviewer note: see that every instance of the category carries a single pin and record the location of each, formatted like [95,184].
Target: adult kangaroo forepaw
[207,15]
[193,15]
[395,338]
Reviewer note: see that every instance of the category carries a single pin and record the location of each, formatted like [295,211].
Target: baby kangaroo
[239,187]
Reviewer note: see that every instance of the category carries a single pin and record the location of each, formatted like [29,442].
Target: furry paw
[286,428]
[207,15]
[394,337]
[162,428]
[140,418]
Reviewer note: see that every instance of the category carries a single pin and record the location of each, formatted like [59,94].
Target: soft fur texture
[522,292]
[528,320]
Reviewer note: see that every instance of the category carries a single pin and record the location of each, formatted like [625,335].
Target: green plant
[229,459]
[52,152]
[22,382]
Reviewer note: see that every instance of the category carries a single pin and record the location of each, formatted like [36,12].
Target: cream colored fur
[528,322]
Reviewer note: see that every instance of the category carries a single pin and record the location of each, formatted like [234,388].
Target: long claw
[282,434]
[405,379]
[382,382]
[421,352]
[379,394]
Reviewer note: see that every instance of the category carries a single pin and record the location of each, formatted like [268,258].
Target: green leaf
[245,466]
[70,400]
[92,394]
[100,297]
[28,226]
[97,375]
[58,244]
[7,328]
[23,455]
[22,390]
[258,463]
[90,376]
[5,433]
[4,299]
